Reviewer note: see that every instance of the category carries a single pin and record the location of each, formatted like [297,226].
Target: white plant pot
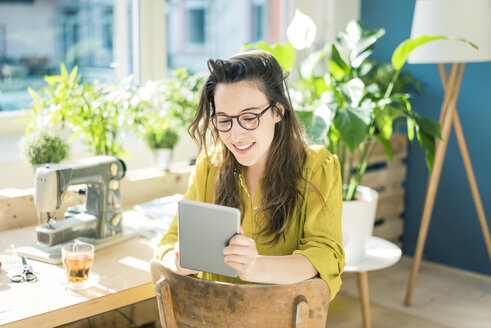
[357,223]
[36,166]
[161,158]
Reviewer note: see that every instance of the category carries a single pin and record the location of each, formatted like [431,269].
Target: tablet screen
[204,230]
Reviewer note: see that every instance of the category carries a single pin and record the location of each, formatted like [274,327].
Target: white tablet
[204,230]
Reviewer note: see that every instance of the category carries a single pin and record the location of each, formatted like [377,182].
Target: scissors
[26,275]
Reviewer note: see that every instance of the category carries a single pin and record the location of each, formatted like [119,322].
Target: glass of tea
[77,260]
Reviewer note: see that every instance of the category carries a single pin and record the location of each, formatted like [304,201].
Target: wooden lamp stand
[448,116]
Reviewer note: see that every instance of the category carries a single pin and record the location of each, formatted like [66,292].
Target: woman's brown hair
[282,186]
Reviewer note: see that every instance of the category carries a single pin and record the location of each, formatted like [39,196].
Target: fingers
[242,240]
[241,255]
[241,268]
[172,262]
[242,259]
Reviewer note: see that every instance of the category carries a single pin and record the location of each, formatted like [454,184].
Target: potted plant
[161,138]
[41,148]
[99,112]
[344,104]
[168,105]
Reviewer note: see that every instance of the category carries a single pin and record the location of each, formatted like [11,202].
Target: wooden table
[124,279]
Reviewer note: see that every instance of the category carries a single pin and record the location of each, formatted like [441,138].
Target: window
[196,26]
[37,36]
[257,25]
[201,29]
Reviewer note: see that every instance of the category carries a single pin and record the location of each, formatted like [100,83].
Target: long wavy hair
[283,185]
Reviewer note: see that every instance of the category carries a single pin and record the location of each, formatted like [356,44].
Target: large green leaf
[428,126]
[410,129]
[336,70]
[358,41]
[308,65]
[316,122]
[305,117]
[427,142]
[352,124]
[386,145]
[338,63]
[320,85]
[354,91]
[318,131]
[384,119]
[284,53]
[401,53]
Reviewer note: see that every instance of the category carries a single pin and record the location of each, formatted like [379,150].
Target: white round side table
[380,254]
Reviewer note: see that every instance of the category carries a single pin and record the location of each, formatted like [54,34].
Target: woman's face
[250,147]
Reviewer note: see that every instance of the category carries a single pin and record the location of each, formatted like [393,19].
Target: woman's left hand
[241,255]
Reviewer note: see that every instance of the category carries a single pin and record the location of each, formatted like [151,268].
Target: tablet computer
[204,230]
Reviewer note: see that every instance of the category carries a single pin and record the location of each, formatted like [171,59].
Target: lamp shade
[467,19]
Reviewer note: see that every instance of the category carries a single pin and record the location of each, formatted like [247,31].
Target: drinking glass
[77,262]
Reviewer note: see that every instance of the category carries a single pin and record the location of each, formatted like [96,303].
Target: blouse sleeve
[193,192]
[321,238]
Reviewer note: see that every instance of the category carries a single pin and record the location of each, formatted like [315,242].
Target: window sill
[8,121]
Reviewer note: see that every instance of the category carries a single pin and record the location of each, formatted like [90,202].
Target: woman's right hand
[171,261]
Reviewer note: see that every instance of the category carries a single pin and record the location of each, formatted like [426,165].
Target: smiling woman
[251,139]
[289,192]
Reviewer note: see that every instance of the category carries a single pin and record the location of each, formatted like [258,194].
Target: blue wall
[454,237]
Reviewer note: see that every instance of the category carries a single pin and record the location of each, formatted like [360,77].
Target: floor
[442,297]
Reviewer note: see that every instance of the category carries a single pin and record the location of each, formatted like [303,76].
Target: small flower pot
[161,158]
[357,221]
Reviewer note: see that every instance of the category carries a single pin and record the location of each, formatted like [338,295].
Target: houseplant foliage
[350,103]
[168,105]
[102,113]
[161,136]
[99,112]
[43,147]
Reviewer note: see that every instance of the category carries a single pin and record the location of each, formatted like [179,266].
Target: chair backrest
[194,302]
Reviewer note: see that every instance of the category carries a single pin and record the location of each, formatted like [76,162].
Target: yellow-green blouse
[315,232]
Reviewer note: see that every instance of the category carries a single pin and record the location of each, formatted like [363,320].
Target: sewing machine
[98,221]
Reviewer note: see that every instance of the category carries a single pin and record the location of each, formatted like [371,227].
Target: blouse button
[255,207]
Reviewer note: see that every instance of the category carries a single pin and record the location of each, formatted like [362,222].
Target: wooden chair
[187,301]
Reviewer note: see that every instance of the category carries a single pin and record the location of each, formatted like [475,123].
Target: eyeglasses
[249,121]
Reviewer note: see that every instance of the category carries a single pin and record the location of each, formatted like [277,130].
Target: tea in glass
[77,261]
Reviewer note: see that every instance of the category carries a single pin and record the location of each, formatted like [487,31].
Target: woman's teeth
[243,147]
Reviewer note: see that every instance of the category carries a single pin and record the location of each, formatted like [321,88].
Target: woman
[289,193]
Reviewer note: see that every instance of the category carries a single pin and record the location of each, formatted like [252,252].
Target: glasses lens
[222,123]
[248,121]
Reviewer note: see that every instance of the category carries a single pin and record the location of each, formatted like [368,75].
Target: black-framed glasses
[249,121]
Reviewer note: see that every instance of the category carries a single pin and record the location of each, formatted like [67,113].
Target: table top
[380,254]
[123,270]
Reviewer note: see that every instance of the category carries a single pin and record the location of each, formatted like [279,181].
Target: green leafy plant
[168,105]
[43,147]
[349,102]
[162,137]
[100,112]
[181,96]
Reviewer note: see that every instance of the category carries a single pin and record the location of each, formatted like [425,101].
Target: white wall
[330,16]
